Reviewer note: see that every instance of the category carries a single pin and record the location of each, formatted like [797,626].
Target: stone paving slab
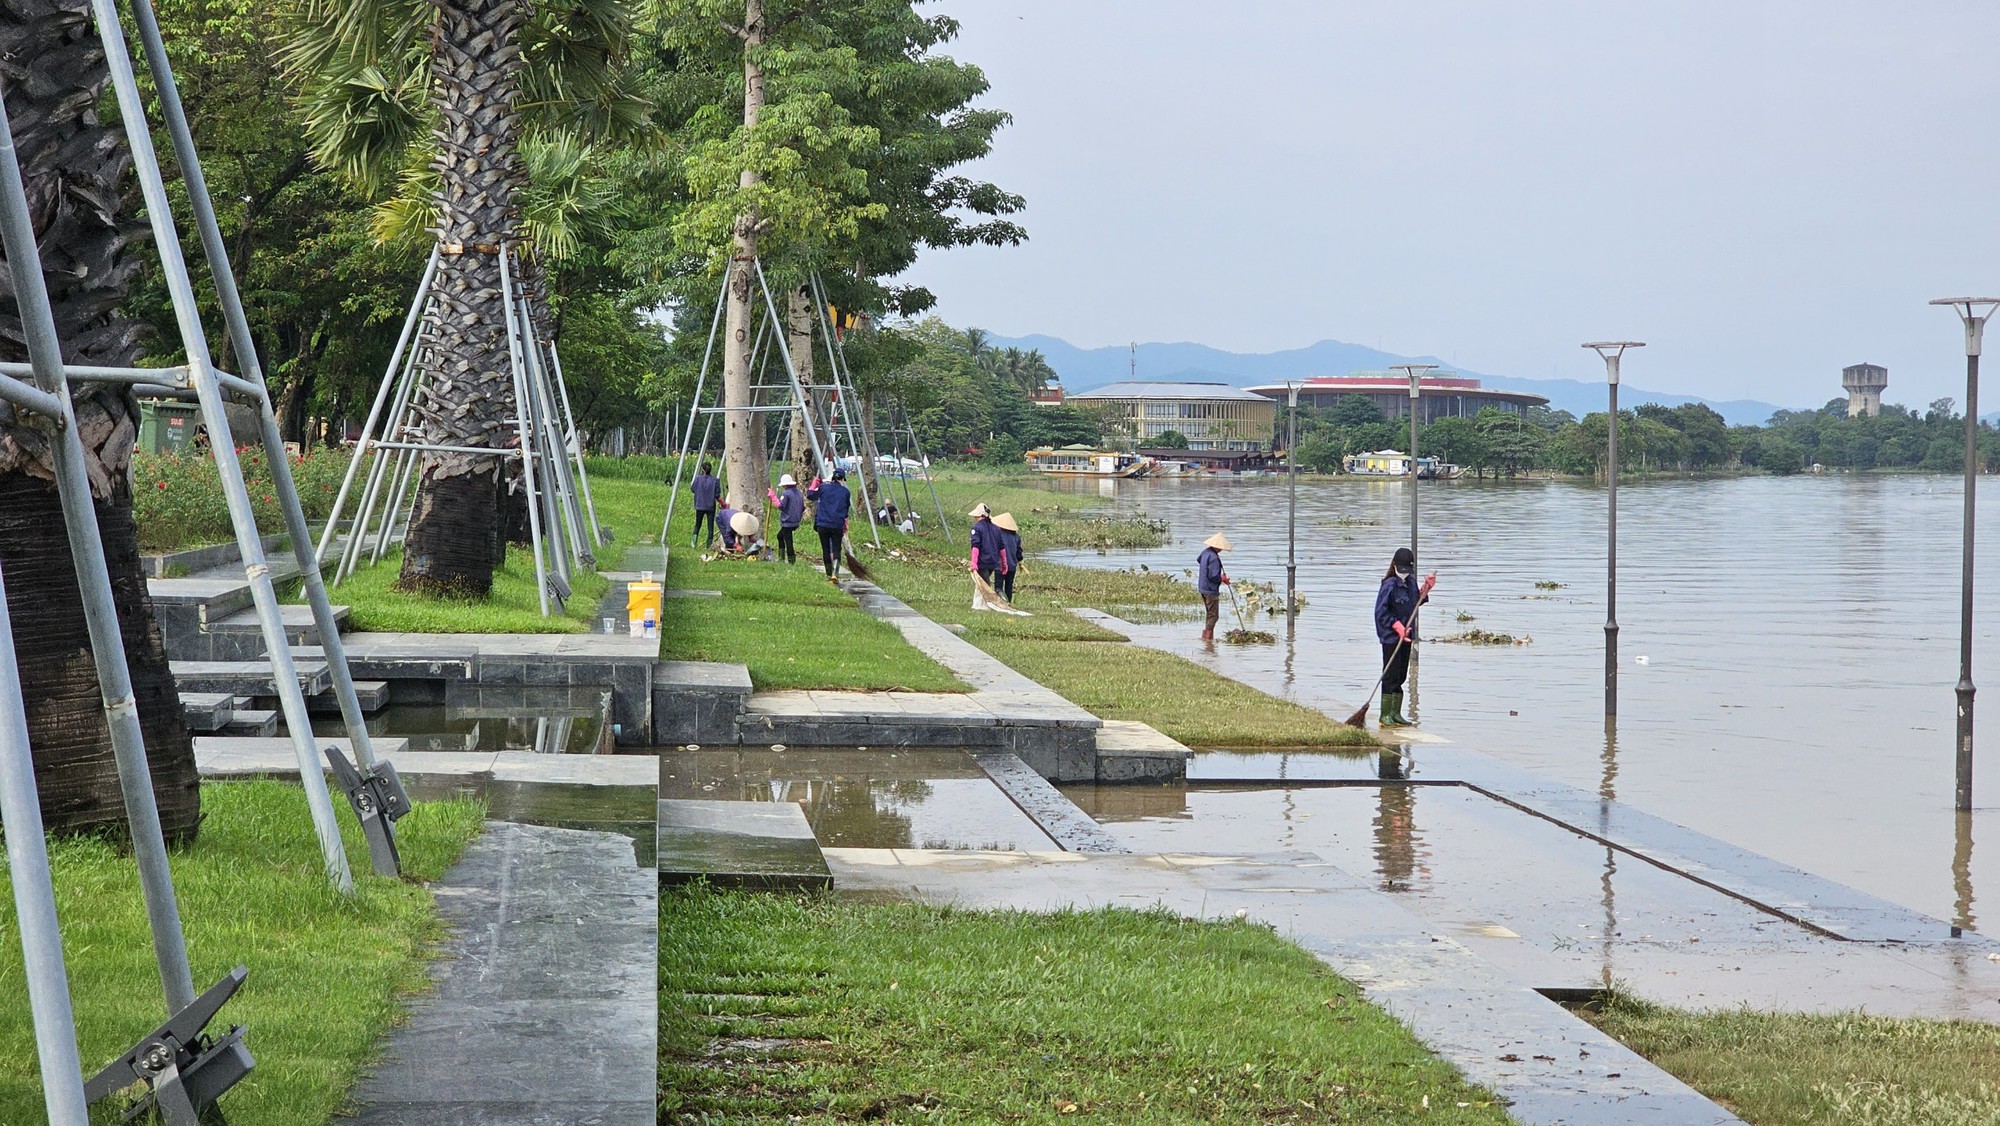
[1071,828]
[739,844]
[546,1007]
[225,756]
[1550,1066]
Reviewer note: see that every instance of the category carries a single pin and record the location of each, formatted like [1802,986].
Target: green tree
[1170,440]
[429,98]
[77,171]
[1510,442]
[1454,440]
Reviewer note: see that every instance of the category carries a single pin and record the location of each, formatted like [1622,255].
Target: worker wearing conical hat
[1010,554]
[985,557]
[1209,579]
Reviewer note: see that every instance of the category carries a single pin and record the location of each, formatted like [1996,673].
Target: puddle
[560,719]
[626,810]
[865,799]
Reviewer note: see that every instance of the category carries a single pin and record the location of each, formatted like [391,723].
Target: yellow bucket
[641,596]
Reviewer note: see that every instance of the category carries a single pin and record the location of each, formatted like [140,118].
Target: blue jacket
[706,490]
[834,501]
[1208,571]
[1394,603]
[791,507]
[722,518]
[1010,549]
[986,541]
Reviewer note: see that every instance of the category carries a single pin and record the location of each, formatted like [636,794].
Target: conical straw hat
[1006,520]
[744,524]
[1218,541]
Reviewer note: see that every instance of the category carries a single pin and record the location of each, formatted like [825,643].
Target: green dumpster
[166,426]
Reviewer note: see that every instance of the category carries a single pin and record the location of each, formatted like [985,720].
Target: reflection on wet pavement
[865,799]
[1557,909]
[626,810]
[557,719]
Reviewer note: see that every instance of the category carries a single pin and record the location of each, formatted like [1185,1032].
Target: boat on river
[1396,463]
[1086,461]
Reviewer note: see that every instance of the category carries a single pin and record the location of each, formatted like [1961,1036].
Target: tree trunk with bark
[742,430]
[798,326]
[53,73]
[468,395]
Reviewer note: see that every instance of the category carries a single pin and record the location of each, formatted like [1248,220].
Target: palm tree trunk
[468,395]
[53,73]
[742,430]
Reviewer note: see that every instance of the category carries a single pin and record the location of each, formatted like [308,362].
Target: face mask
[1403,571]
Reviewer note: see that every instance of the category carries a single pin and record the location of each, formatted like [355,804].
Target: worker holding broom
[1395,610]
[1209,579]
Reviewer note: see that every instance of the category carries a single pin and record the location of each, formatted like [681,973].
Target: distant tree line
[1689,438]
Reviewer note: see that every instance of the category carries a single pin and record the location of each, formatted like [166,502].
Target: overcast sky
[1763,190]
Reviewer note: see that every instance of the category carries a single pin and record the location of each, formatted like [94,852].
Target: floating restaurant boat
[1396,463]
[1087,461]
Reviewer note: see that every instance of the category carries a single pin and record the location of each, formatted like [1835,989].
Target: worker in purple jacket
[707,490]
[791,506]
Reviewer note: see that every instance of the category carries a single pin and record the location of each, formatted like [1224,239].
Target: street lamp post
[1416,374]
[1612,351]
[1292,502]
[1973,311]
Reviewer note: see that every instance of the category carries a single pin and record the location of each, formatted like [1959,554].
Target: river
[1788,646]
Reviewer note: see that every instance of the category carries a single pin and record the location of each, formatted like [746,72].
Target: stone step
[749,844]
[252,723]
[372,695]
[246,678]
[297,619]
[207,711]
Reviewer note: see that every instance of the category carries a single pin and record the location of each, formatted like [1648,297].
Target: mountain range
[1084,368]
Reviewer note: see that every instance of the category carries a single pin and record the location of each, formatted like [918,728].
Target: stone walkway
[546,1010]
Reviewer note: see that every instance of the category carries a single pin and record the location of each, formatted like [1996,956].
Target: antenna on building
[1135,359]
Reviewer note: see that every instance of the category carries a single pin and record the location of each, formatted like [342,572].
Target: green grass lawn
[1098,669]
[1780,1069]
[786,623]
[784,1009]
[631,508]
[327,974]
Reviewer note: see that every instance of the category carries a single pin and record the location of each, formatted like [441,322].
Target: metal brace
[184,1071]
[379,801]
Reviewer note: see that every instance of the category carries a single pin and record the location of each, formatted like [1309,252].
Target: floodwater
[860,798]
[554,719]
[1788,647]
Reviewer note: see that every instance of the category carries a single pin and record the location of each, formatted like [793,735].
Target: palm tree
[76,166]
[442,96]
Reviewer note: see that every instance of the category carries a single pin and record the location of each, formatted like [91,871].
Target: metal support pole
[34,892]
[114,679]
[917,446]
[1416,373]
[202,375]
[522,428]
[390,378]
[694,408]
[1613,352]
[785,354]
[839,407]
[1973,312]
[1292,506]
[576,446]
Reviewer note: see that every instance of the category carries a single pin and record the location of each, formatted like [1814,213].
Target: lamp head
[1613,351]
[1973,311]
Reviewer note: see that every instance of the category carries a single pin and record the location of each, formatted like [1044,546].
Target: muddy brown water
[1788,647]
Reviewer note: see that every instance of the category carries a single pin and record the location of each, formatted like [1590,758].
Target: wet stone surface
[765,844]
[860,798]
[547,719]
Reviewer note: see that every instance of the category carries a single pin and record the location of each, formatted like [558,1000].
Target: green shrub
[177,497]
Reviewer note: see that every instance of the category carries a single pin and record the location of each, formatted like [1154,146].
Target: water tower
[1864,383]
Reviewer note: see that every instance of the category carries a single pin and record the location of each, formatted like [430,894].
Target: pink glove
[1430,581]
[972,564]
[1402,631]
[1225,580]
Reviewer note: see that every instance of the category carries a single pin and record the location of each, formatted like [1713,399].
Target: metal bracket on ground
[184,1070]
[379,801]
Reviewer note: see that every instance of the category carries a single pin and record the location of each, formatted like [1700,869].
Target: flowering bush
[177,497]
